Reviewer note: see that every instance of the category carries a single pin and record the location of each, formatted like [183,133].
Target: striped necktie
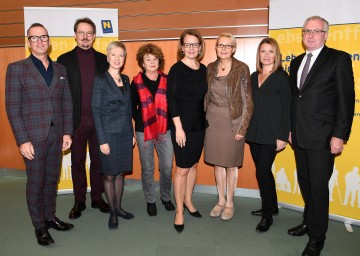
[305,71]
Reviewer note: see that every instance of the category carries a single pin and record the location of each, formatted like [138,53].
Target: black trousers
[263,156]
[314,169]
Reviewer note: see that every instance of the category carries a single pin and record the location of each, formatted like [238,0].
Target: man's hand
[336,145]
[66,142]
[27,150]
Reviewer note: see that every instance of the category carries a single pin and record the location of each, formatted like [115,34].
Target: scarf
[154,111]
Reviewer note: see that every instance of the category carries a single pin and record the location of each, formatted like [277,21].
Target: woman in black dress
[186,90]
[111,107]
[269,125]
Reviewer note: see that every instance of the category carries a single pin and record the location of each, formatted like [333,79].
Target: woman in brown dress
[228,105]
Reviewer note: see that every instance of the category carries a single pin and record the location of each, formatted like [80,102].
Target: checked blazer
[32,106]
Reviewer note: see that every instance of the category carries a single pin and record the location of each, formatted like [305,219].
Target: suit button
[299,96]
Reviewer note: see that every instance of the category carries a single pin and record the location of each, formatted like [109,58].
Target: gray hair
[325,22]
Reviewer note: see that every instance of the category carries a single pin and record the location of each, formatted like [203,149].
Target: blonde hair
[115,44]
[232,38]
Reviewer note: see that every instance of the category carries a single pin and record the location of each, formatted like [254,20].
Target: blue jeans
[165,152]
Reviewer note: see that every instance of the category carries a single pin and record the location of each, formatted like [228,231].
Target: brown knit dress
[220,146]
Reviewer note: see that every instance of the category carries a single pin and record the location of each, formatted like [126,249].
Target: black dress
[185,94]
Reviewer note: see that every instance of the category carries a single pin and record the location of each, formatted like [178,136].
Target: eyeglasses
[314,32]
[194,45]
[226,46]
[87,34]
[34,39]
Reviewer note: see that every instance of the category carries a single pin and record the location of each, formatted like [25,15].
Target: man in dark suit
[39,108]
[82,64]
[322,110]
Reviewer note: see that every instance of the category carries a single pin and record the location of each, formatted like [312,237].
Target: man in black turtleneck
[82,64]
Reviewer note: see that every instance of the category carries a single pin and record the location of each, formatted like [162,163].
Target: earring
[183,53]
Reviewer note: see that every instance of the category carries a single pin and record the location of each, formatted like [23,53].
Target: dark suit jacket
[31,105]
[111,108]
[271,116]
[70,61]
[325,106]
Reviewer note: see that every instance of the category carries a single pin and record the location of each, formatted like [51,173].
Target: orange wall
[10,157]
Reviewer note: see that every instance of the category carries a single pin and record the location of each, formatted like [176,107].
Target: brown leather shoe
[76,210]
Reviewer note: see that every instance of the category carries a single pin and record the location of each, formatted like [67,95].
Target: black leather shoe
[259,212]
[313,248]
[43,237]
[76,210]
[113,221]
[168,205]
[124,214]
[58,224]
[299,230]
[101,205]
[264,225]
[179,228]
[151,209]
[194,214]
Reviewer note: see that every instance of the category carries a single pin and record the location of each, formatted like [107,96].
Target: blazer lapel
[113,85]
[126,84]
[35,74]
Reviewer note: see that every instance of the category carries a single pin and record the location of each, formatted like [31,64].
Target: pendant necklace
[223,68]
[117,78]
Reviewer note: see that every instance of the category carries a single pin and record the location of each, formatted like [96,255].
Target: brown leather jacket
[239,92]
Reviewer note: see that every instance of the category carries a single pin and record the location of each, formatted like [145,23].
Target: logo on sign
[106,26]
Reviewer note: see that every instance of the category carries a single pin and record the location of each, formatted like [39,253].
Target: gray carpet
[155,236]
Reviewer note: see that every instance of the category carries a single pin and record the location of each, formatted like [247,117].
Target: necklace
[225,67]
[116,77]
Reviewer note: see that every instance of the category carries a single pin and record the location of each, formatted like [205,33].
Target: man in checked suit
[82,64]
[39,108]
[322,109]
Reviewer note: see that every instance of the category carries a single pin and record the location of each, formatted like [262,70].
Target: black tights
[114,188]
